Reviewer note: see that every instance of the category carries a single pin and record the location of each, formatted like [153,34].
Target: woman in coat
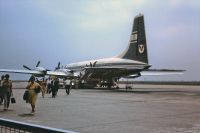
[33,89]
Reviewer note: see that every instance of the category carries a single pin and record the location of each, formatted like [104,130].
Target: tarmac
[145,109]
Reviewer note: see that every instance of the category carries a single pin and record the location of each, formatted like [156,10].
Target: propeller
[28,68]
[42,70]
[91,64]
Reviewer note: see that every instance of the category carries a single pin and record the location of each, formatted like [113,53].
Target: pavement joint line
[116,122]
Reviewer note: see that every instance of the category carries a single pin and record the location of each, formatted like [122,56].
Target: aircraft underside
[104,78]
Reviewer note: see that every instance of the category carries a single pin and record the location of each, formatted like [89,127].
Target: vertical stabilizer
[137,49]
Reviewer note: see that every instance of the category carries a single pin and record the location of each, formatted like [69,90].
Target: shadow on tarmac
[1,111]
[146,91]
[26,115]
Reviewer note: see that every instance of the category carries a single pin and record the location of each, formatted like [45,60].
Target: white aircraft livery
[131,63]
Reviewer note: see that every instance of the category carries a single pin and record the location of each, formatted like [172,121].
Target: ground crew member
[7,91]
[33,89]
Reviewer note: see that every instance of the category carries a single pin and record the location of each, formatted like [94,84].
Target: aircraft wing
[21,71]
[38,73]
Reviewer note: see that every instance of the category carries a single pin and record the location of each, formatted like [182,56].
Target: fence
[11,126]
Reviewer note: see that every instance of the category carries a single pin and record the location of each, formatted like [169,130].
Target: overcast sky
[77,30]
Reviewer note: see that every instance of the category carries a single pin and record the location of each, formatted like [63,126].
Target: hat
[7,76]
[32,78]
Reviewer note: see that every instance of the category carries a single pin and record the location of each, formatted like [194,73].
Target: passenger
[48,85]
[33,89]
[7,91]
[43,85]
[1,90]
[55,87]
[67,86]
[52,82]
[52,88]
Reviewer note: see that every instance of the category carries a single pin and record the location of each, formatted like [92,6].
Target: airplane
[131,63]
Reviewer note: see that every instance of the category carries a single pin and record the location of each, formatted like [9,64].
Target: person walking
[67,86]
[1,89]
[7,91]
[43,85]
[48,85]
[55,87]
[33,90]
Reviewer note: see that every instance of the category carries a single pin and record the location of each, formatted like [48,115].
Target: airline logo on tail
[134,37]
[141,48]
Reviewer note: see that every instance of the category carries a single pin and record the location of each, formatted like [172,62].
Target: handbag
[12,99]
[25,96]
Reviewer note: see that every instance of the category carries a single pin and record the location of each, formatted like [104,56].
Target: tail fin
[137,49]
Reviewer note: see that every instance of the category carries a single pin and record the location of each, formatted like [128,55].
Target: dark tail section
[137,49]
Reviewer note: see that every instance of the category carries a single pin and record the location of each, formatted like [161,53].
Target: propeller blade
[26,67]
[59,65]
[94,64]
[38,63]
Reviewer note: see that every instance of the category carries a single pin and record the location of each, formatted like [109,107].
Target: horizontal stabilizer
[158,72]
